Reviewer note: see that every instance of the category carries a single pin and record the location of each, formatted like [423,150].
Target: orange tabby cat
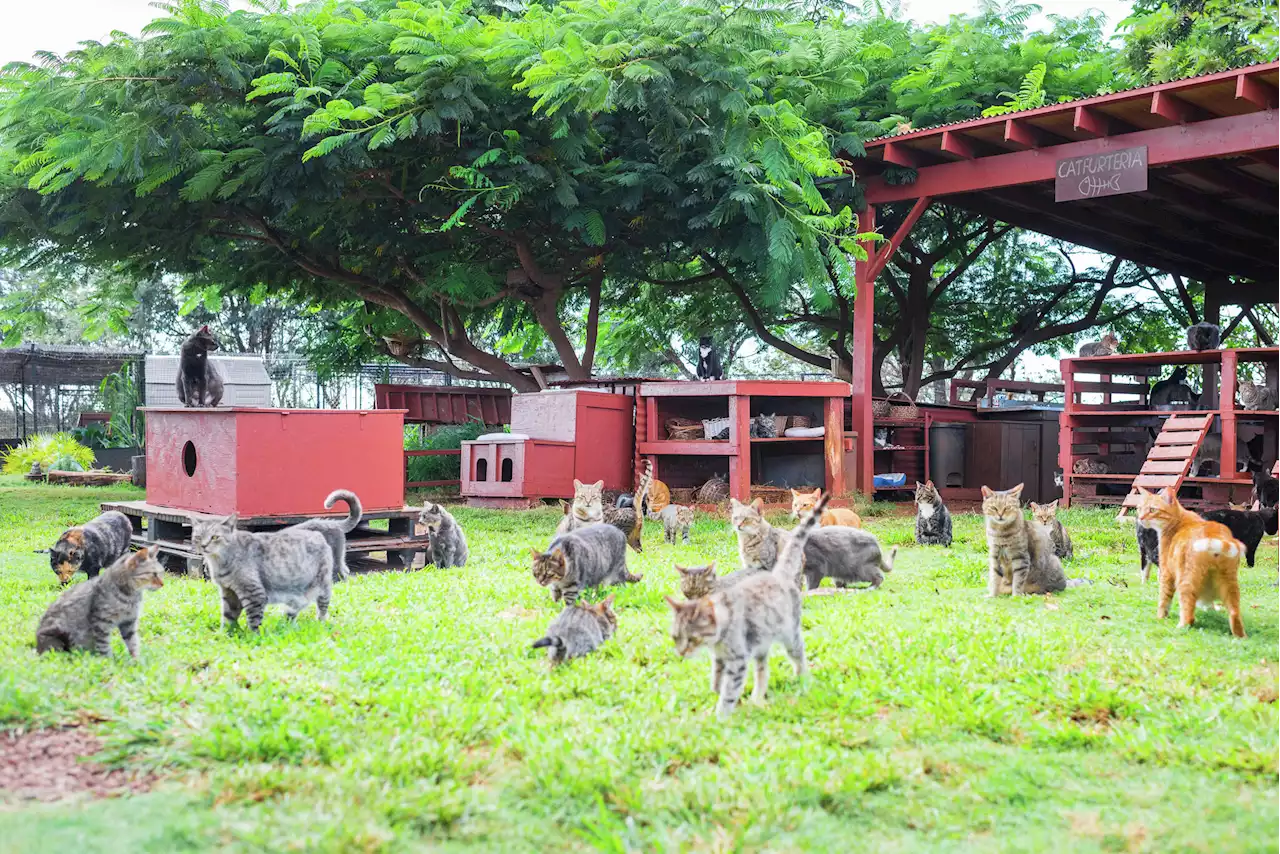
[1198,559]
[659,496]
[803,502]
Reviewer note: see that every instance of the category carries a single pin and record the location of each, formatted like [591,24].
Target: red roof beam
[1169,106]
[1255,90]
[900,155]
[1093,122]
[1024,134]
[959,145]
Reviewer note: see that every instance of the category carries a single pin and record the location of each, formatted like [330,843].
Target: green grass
[935,720]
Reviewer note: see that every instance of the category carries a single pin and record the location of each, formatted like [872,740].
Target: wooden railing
[444,452]
[988,389]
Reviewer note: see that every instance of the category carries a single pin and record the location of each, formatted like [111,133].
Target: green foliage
[1170,40]
[1029,95]
[50,450]
[444,437]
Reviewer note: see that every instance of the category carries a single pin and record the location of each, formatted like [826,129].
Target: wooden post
[1227,411]
[1065,428]
[1212,314]
[833,444]
[740,442]
[861,357]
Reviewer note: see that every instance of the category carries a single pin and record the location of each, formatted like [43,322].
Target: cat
[676,521]
[588,508]
[199,383]
[85,615]
[697,581]
[1254,397]
[1105,347]
[708,360]
[585,557]
[335,531]
[803,502]
[1204,336]
[1210,454]
[1088,465]
[759,543]
[933,519]
[578,630]
[1266,489]
[659,496]
[763,427]
[1020,557]
[448,543]
[89,547]
[1148,550]
[1199,560]
[846,555]
[1046,515]
[740,623]
[292,567]
[1247,526]
[1172,389]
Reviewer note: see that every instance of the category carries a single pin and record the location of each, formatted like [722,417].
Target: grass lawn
[418,718]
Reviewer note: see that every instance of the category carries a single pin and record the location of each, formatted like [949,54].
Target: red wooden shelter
[1208,211]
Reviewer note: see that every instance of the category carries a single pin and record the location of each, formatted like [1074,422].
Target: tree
[1169,40]
[465,181]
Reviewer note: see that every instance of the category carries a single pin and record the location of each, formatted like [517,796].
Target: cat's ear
[706,609]
[536,554]
[577,484]
[758,504]
[1053,505]
[919,485]
[599,484]
[1016,491]
[606,603]
[683,570]
[1034,506]
[231,520]
[733,502]
[711,567]
[152,551]
[795,493]
[929,483]
[987,492]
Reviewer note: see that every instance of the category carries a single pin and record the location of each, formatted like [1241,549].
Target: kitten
[1172,389]
[335,531]
[1088,465]
[1204,336]
[741,622]
[759,543]
[1020,556]
[291,567]
[198,382]
[84,616]
[1199,560]
[676,521]
[698,581]
[1046,515]
[1256,397]
[933,519]
[89,547]
[1247,526]
[1148,550]
[1106,347]
[1266,489]
[578,630]
[448,543]
[803,502]
[585,557]
[588,509]
[846,555]
[708,360]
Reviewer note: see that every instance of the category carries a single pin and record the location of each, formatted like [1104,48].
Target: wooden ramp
[1170,457]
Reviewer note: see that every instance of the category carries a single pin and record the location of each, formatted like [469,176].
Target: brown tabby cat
[1020,557]
[1046,515]
[588,508]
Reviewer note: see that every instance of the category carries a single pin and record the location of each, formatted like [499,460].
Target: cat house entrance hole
[482,469]
[189,459]
[506,471]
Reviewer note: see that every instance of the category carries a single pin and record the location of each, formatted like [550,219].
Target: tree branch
[757,322]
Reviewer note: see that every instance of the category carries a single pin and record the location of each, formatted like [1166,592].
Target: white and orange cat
[803,502]
[1198,559]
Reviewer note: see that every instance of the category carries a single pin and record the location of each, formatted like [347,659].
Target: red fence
[445,452]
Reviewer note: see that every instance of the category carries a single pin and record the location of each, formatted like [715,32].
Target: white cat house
[244,379]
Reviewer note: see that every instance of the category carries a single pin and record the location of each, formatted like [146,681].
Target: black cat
[1266,489]
[1204,336]
[708,360]
[1247,526]
[198,381]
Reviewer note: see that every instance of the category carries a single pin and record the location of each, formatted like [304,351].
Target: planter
[116,459]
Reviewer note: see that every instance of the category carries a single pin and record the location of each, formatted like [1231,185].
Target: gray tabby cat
[586,557]
[933,519]
[740,623]
[1046,516]
[847,555]
[758,542]
[448,543]
[676,521]
[588,508]
[335,531]
[1107,346]
[291,567]
[85,616]
[1020,556]
[698,581]
[1256,397]
[578,630]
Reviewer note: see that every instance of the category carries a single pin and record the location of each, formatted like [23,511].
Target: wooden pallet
[1170,457]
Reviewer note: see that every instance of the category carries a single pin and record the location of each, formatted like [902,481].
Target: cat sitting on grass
[933,519]
[578,630]
[1019,554]
[586,557]
[448,544]
[1046,516]
[588,508]
[803,502]
[86,615]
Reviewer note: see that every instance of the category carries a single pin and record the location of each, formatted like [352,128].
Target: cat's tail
[641,499]
[789,562]
[557,647]
[356,511]
[886,564]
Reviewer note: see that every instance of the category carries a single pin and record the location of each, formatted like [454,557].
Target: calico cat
[1247,526]
[1046,515]
[1204,336]
[1106,347]
[1199,560]
[759,543]
[846,555]
[933,519]
[291,567]
[1254,397]
[803,502]
[585,557]
[676,521]
[708,360]
[89,547]
[199,383]
[335,531]
[85,616]
[1172,389]
[448,543]
[578,630]
[696,581]
[741,622]
[1148,550]
[1020,557]
[588,508]
[1266,489]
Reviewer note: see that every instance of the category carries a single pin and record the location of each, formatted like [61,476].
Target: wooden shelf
[695,448]
[899,422]
[791,439]
[899,448]
[1164,413]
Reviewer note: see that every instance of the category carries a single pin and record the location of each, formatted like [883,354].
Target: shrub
[47,449]
[444,437]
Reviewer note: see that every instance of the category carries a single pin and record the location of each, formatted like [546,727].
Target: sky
[59,25]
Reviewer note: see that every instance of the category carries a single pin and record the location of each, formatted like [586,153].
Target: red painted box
[273,462]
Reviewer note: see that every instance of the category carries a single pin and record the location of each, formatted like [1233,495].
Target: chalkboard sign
[1108,173]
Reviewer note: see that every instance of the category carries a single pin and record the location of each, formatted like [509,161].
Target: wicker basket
[713,491]
[683,495]
[799,421]
[902,407]
[780,423]
[684,428]
[880,409]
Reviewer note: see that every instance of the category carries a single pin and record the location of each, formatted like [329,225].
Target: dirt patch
[52,765]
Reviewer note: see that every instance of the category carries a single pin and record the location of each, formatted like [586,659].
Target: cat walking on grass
[582,558]
[86,615]
[578,630]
